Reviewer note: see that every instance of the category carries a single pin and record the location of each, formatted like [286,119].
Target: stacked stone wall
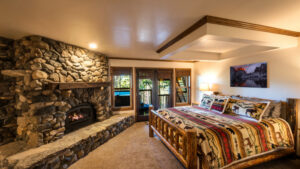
[41,111]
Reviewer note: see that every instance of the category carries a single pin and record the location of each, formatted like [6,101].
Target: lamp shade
[204,87]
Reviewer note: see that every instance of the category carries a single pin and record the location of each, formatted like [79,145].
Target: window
[121,88]
[183,86]
[145,91]
[164,93]
[164,79]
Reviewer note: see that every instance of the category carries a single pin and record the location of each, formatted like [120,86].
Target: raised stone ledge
[78,85]
[15,73]
[73,146]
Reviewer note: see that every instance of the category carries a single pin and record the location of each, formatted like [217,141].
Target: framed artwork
[250,75]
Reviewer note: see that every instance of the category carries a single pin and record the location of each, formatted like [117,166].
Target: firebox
[79,116]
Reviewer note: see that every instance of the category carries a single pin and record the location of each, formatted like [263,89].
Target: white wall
[153,64]
[283,75]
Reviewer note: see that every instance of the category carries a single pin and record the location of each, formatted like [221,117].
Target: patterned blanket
[224,138]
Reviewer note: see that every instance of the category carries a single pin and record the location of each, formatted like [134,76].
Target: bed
[201,138]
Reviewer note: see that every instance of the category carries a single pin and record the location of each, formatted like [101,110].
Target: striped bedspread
[225,139]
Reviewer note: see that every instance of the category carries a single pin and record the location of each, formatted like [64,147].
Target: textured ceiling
[133,28]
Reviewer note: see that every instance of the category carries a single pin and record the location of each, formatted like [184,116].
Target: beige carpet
[131,149]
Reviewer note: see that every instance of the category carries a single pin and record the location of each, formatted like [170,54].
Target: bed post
[297,132]
[150,121]
[293,109]
[191,149]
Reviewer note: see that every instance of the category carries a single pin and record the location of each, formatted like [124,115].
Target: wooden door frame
[190,88]
[154,90]
[140,118]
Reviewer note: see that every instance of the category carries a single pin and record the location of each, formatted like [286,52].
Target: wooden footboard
[183,143]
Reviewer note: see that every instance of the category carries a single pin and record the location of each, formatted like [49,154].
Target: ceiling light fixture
[93,45]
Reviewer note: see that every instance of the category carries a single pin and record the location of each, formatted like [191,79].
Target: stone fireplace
[54,104]
[46,111]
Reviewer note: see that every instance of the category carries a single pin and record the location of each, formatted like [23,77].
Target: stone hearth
[64,152]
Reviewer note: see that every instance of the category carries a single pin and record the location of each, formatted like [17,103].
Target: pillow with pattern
[206,101]
[219,104]
[246,108]
[273,110]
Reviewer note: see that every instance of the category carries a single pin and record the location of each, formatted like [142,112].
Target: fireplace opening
[79,116]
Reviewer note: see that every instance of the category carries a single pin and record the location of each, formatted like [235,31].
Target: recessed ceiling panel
[228,42]
[215,46]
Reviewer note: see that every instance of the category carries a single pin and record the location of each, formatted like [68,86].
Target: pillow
[273,110]
[219,104]
[206,101]
[246,108]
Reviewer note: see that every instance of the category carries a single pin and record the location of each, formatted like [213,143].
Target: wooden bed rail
[183,143]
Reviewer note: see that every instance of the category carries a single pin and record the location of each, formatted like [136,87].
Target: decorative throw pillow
[273,110]
[219,103]
[246,108]
[206,101]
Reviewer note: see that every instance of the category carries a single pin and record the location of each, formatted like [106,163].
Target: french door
[153,87]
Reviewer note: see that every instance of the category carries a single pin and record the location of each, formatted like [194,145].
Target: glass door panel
[164,93]
[182,89]
[145,96]
[153,87]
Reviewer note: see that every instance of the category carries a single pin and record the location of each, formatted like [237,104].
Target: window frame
[113,91]
[176,72]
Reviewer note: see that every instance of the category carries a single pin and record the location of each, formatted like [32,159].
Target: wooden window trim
[131,89]
[189,88]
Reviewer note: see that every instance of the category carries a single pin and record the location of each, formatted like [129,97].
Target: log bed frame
[186,149]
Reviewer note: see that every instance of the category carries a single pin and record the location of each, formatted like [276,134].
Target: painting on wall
[250,75]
